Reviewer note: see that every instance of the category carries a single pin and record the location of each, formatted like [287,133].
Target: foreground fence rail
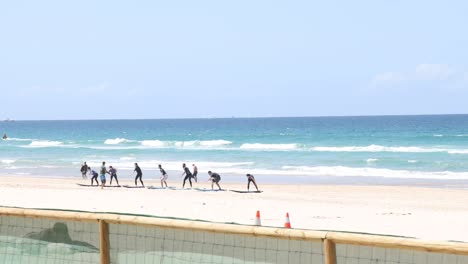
[50,236]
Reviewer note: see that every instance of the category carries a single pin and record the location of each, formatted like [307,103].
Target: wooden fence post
[330,251]
[104,242]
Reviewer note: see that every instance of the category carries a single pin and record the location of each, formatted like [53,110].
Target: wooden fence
[452,252]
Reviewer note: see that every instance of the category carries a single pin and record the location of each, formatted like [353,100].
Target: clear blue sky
[176,59]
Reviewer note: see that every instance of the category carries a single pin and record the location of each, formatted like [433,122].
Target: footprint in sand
[393,213]
[326,217]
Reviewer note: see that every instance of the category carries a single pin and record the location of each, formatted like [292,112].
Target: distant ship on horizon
[8,120]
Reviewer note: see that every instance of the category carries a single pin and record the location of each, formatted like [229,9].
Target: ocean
[277,150]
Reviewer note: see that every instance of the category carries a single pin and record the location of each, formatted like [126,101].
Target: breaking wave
[45,144]
[373,172]
[185,144]
[19,139]
[378,148]
[260,146]
[116,141]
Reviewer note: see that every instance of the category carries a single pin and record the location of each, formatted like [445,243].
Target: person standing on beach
[214,178]
[84,170]
[113,174]
[103,174]
[139,175]
[195,172]
[251,178]
[94,177]
[188,175]
[163,176]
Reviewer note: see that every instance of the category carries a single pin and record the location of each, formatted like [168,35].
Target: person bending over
[250,178]
[214,178]
[94,177]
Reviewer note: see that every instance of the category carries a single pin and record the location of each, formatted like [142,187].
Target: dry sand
[429,213]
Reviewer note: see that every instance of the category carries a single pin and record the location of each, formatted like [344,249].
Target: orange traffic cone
[257,219]
[287,223]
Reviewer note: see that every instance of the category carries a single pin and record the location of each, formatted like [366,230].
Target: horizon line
[232,117]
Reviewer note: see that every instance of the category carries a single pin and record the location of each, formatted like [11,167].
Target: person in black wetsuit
[214,178]
[251,178]
[139,175]
[95,175]
[113,174]
[188,175]
[84,170]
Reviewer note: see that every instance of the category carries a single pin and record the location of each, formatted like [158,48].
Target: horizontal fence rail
[53,236]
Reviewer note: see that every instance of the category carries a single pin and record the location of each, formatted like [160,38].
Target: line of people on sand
[85,169]
[215,178]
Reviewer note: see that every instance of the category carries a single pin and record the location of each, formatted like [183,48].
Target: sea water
[275,149]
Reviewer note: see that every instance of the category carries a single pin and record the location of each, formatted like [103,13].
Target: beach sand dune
[428,213]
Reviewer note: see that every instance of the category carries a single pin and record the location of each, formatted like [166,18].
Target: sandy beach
[428,213]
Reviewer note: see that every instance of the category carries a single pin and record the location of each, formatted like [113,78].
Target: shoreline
[410,211]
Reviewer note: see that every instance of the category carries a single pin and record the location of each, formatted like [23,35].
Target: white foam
[378,148]
[19,167]
[214,143]
[49,166]
[8,161]
[260,146]
[116,141]
[458,151]
[208,164]
[332,171]
[184,144]
[22,173]
[412,161]
[45,144]
[371,172]
[203,166]
[224,145]
[127,158]
[371,160]
[112,147]
[19,139]
[438,135]
[153,143]
[202,143]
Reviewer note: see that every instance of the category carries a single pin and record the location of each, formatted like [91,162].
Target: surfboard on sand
[209,190]
[238,191]
[130,186]
[89,185]
[181,189]
[160,188]
[86,185]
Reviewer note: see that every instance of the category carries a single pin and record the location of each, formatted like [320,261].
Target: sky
[89,59]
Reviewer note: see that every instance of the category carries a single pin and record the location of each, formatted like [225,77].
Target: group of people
[85,169]
[215,178]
